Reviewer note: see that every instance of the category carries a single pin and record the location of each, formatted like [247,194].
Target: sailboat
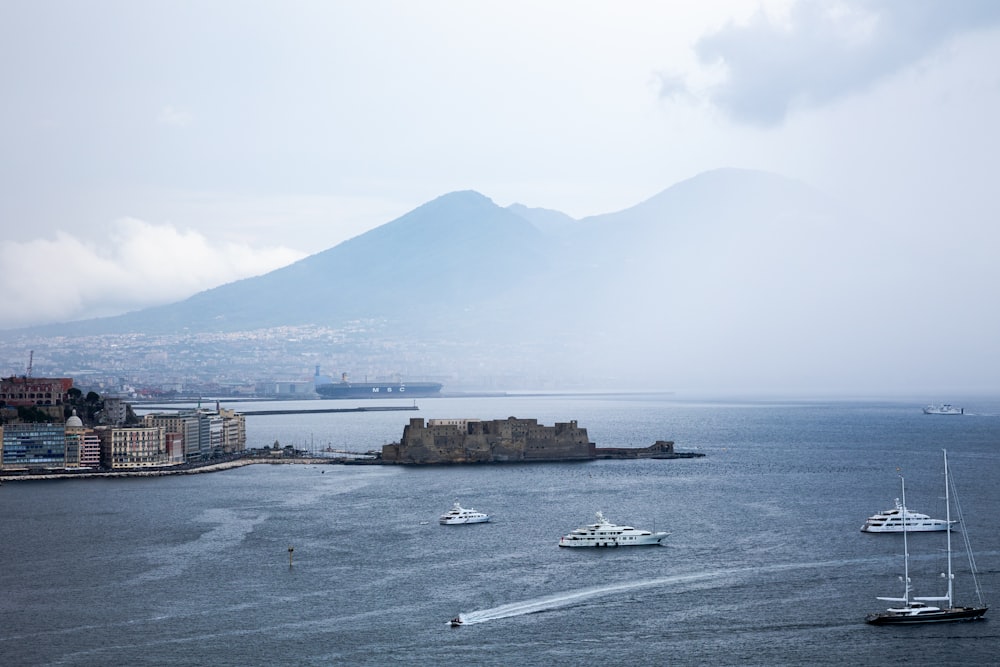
[915,609]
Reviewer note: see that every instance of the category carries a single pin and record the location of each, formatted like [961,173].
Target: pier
[295,411]
[380,408]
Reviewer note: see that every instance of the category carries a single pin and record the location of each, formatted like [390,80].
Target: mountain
[732,276]
[443,255]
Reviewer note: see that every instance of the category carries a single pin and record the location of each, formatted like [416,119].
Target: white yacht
[458,515]
[891,521]
[603,533]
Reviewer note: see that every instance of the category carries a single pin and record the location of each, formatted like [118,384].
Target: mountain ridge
[728,262]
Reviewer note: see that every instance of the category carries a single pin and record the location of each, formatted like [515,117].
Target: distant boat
[603,533]
[943,409]
[458,515]
[914,610]
[400,389]
[899,519]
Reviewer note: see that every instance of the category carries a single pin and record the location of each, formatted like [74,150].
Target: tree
[32,415]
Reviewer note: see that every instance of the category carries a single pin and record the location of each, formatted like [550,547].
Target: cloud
[673,87]
[819,53]
[174,117]
[138,264]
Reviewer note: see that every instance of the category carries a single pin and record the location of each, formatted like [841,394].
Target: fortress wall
[512,439]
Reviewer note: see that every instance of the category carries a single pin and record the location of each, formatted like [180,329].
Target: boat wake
[568,598]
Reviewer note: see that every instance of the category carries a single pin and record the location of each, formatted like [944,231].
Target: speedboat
[943,409]
[603,533]
[459,515]
[456,622]
[892,521]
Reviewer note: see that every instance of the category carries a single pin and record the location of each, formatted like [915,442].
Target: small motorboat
[456,622]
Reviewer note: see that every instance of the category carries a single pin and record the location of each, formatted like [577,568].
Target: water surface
[765,564]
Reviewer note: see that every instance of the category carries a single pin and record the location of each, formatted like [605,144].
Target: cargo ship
[389,389]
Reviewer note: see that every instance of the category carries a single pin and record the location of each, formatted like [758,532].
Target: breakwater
[511,440]
[381,408]
[301,411]
[661,449]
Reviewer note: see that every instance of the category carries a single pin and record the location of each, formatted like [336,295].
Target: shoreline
[621,454]
[195,470]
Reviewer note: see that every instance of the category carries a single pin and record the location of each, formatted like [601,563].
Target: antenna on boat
[906,548]
[947,517]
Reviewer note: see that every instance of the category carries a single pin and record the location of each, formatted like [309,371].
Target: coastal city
[265,363]
[262,362]
[47,424]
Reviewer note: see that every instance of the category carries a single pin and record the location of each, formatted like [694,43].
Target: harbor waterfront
[317,564]
[163,472]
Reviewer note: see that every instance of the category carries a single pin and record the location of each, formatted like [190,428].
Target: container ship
[398,389]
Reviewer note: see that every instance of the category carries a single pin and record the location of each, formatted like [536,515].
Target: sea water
[347,565]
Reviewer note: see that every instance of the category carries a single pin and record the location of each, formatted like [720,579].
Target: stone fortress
[499,440]
[508,440]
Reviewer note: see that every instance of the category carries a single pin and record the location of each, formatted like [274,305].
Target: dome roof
[74,421]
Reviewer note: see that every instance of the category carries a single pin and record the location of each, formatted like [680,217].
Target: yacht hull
[595,545]
[652,540]
[909,529]
[459,522]
[939,616]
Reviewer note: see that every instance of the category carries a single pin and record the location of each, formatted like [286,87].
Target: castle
[478,441]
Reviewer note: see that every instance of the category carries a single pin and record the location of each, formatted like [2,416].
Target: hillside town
[277,362]
[47,424]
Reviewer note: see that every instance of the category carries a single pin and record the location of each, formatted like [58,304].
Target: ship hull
[644,541]
[464,520]
[939,616]
[935,528]
[379,389]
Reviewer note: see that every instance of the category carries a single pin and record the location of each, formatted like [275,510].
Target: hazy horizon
[153,151]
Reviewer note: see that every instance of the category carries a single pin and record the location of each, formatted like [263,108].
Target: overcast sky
[149,150]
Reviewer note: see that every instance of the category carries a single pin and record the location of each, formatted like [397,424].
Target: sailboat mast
[947,509]
[906,548]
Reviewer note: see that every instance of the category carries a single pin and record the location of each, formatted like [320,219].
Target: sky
[151,150]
